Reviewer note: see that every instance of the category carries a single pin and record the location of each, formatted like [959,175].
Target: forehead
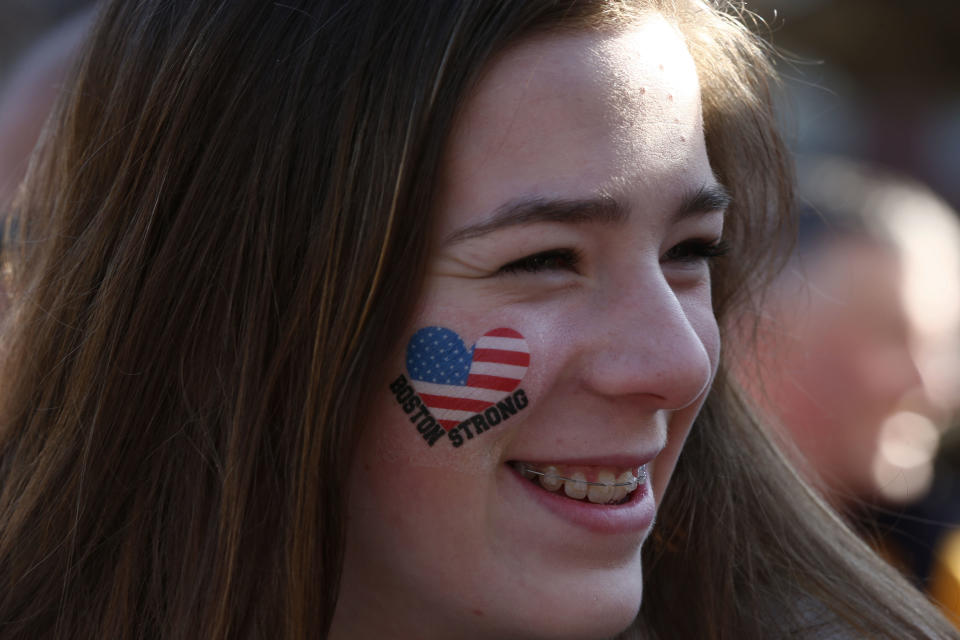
[574,114]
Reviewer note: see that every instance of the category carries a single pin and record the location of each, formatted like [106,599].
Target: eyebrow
[709,197]
[602,210]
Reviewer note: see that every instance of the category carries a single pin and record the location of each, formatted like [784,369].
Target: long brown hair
[232,200]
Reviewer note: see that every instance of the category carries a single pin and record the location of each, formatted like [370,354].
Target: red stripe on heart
[492,382]
[501,357]
[450,404]
[504,332]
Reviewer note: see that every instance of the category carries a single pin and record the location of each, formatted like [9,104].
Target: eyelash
[568,259]
[697,249]
[552,260]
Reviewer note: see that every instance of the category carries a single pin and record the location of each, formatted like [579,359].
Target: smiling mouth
[605,485]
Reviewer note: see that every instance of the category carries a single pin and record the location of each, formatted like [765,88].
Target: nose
[651,342]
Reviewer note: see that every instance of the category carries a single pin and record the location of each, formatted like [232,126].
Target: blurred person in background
[857,358]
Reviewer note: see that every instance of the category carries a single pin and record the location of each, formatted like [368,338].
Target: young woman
[376,319]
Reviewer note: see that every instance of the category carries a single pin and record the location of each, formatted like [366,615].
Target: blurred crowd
[855,357]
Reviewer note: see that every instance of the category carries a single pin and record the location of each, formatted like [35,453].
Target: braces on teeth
[640,479]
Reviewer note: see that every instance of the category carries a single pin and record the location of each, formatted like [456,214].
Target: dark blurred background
[875,79]
[39,41]
[23,21]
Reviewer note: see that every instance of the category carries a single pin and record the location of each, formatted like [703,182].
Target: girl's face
[565,328]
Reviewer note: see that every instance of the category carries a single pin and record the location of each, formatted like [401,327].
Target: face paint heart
[455,382]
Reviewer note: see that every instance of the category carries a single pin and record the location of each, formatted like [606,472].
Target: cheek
[704,324]
[427,451]
[458,393]
[408,480]
[410,440]
[444,404]
[398,479]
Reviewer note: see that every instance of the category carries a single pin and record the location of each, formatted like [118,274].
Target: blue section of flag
[438,355]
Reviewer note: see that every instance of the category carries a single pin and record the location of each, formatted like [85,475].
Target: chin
[590,612]
[596,623]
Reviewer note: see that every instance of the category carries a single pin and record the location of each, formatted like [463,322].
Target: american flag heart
[455,382]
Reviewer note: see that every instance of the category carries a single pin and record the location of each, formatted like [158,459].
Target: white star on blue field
[437,355]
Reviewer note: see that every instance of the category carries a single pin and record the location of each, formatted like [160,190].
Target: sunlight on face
[577,215]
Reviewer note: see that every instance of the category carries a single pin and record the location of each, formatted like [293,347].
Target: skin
[623,344]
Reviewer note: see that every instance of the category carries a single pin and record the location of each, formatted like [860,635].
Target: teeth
[550,480]
[606,488]
[602,494]
[576,486]
[627,483]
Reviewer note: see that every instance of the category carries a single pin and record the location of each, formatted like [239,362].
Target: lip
[632,517]
[619,461]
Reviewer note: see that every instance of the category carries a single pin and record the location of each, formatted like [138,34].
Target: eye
[553,260]
[696,250]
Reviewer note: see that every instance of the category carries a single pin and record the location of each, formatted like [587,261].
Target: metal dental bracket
[640,479]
